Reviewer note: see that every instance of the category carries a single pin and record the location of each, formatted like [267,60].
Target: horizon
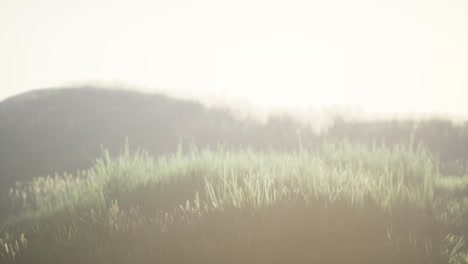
[386,58]
[317,117]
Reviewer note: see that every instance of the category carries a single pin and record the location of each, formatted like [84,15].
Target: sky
[390,56]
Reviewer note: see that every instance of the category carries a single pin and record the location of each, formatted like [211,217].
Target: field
[340,202]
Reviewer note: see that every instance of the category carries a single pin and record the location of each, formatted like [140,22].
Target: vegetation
[245,191]
[62,130]
[340,202]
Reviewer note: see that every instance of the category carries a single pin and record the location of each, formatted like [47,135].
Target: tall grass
[340,203]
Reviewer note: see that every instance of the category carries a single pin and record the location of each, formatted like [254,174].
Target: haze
[383,56]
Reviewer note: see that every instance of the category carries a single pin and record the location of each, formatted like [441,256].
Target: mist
[388,57]
[247,132]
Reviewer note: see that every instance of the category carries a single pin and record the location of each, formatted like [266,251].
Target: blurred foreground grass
[341,203]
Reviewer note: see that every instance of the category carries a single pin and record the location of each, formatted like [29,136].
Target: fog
[380,57]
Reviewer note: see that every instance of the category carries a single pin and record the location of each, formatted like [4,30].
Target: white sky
[384,56]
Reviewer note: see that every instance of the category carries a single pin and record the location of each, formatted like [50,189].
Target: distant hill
[57,130]
[62,130]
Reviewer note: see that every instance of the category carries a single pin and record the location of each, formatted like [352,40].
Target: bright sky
[384,56]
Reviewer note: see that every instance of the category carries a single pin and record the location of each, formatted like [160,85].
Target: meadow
[340,202]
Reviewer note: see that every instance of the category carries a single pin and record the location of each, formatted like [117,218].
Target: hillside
[64,130]
[342,203]
[235,191]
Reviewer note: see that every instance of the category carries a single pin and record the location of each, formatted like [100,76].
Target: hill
[49,131]
[64,130]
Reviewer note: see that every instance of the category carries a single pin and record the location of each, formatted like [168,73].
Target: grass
[340,203]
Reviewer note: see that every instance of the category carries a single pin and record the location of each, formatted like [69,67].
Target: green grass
[341,203]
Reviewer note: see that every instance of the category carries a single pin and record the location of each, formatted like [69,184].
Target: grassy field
[339,203]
